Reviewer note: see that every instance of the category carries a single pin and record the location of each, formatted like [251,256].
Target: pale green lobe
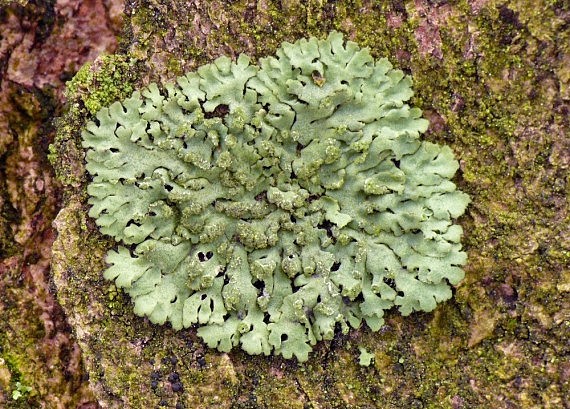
[271,204]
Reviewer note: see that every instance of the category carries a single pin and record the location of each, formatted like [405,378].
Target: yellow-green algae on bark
[492,78]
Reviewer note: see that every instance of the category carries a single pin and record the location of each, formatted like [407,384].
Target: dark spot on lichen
[219,112]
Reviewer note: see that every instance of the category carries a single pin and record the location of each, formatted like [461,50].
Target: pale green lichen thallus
[269,203]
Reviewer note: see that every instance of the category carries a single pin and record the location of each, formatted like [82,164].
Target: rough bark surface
[42,44]
[493,78]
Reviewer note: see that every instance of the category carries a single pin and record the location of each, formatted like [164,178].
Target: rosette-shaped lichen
[269,204]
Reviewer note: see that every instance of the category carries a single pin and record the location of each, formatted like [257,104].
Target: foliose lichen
[269,204]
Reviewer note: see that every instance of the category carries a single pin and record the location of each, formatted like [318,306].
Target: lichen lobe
[269,203]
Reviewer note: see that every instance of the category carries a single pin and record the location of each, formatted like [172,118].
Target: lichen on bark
[491,78]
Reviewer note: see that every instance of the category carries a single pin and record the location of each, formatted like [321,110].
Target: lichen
[365,358]
[269,204]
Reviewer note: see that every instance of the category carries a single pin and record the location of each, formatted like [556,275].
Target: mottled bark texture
[42,44]
[493,78]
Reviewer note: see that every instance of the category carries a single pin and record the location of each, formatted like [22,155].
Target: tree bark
[42,44]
